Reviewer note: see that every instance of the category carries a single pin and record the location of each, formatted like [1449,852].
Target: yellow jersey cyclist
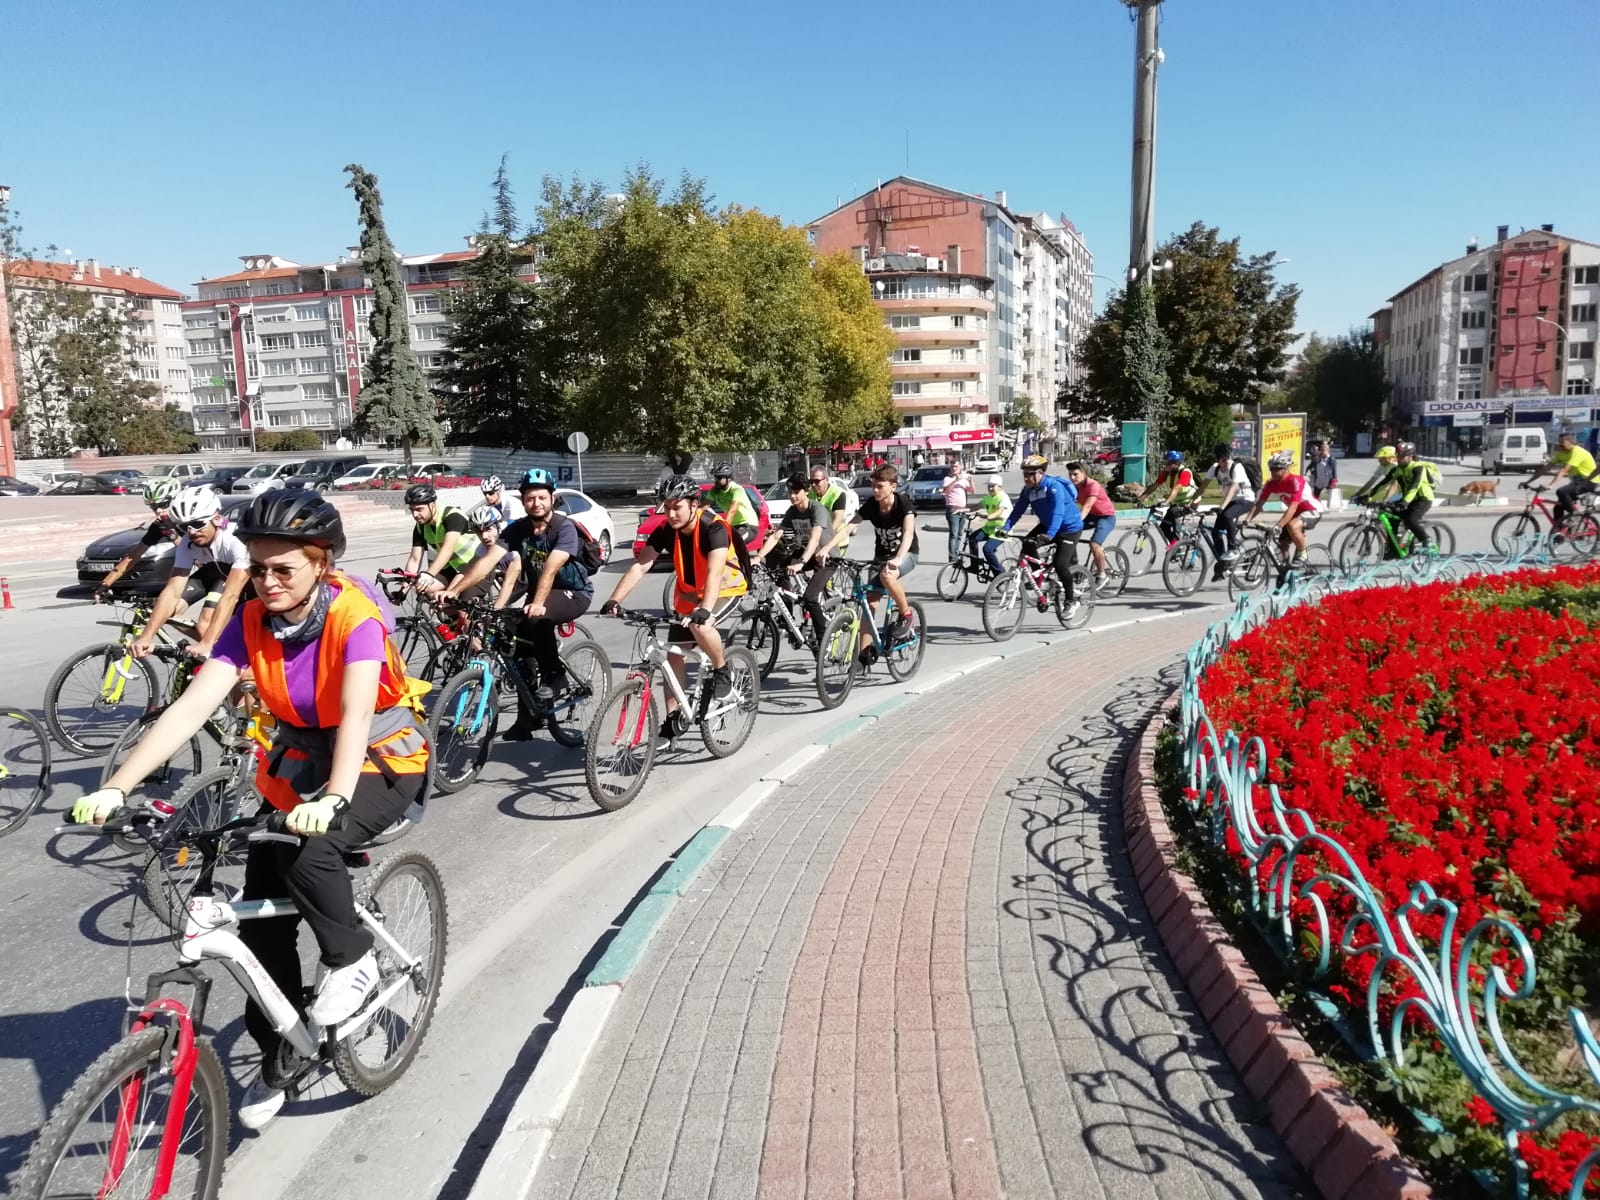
[350,744]
[209,552]
[444,532]
[158,494]
[993,506]
[1415,480]
[1568,461]
[712,567]
[733,502]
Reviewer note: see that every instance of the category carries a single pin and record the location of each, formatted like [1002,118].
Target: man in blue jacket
[1054,502]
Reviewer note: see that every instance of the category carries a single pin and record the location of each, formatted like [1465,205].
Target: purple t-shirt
[365,644]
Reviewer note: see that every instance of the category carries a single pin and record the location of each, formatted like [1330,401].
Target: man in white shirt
[1238,497]
[211,553]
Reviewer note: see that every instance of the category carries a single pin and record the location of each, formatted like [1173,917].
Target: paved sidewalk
[923,969]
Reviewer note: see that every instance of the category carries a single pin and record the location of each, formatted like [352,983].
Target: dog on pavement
[1480,489]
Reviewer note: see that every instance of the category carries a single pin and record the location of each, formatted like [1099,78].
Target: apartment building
[1514,323]
[280,345]
[1056,309]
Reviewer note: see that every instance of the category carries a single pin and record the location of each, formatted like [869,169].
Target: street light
[1560,328]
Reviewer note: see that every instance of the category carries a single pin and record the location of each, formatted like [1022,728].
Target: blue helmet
[1174,456]
[537,477]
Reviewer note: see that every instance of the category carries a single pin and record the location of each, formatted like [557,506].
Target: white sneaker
[261,1103]
[341,992]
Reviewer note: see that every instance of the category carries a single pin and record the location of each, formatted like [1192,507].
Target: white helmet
[484,516]
[194,504]
[491,484]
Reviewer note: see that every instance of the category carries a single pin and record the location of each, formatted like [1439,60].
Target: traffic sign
[577,442]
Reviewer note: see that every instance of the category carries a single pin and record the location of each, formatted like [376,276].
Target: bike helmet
[722,470]
[296,516]
[1405,448]
[1385,453]
[195,504]
[677,487]
[491,485]
[484,516]
[1173,456]
[1281,461]
[1035,462]
[158,493]
[537,477]
[420,493]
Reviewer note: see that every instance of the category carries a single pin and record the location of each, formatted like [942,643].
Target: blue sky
[1365,140]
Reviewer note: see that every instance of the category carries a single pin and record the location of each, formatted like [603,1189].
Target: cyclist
[442,530]
[350,744]
[1385,457]
[1179,483]
[992,507]
[158,494]
[1567,459]
[1054,504]
[701,543]
[1238,498]
[894,555]
[492,496]
[794,548]
[1415,479]
[1095,510]
[733,502]
[488,569]
[211,553]
[1297,501]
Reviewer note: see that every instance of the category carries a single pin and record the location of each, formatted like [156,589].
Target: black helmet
[677,487]
[300,515]
[723,470]
[420,493]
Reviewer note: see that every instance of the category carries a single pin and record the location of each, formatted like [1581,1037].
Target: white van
[1515,448]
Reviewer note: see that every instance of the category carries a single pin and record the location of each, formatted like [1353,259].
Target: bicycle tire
[105,718]
[1183,567]
[951,583]
[1340,536]
[1139,545]
[454,771]
[1366,549]
[617,738]
[741,664]
[1002,606]
[1115,581]
[165,782]
[416,640]
[1250,572]
[105,1079]
[1442,536]
[903,658]
[589,683]
[669,588]
[758,633]
[1319,558]
[445,662]
[1580,538]
[1083,601]
[1513,532]
[31,744]
[210,799]
[353,1072]
[836,657]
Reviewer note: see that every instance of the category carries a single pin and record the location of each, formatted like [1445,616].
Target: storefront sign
[1283,432]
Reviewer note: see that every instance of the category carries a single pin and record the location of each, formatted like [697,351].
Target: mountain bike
[1144,544]
[418,630]
[1114,581]
[1577,537]
[1263,561]
[149,1117]
[24,767]
[459,644]
[467,711]
[775,613]
[95,693]
[1184,565]
[1380,532]
[953,578]
[1033,581]
[840,655]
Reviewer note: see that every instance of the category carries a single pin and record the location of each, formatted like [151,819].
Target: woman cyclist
[349,743]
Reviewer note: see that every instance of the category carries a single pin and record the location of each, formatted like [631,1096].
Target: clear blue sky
[1366,140]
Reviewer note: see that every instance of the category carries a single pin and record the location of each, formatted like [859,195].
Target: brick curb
[1347,1155]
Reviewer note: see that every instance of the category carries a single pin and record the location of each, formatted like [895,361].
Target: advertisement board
[1280,432]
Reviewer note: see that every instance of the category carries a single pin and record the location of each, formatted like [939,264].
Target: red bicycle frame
[183,1062]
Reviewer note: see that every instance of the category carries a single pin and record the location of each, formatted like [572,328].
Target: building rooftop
[89,273]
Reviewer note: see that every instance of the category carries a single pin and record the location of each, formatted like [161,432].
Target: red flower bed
[1451,734]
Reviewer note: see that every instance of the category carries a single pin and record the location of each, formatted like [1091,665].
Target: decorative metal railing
[1290,870]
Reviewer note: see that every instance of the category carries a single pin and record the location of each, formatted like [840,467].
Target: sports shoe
[1218,572]
[520,731]
[343,990]
[675,726]
[721,682]
[901,628]
[261,1103]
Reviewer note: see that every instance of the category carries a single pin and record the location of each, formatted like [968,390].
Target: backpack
[590,557]
[1252,472]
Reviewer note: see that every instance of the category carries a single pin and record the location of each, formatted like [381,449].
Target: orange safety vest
[686,599]
[302,755]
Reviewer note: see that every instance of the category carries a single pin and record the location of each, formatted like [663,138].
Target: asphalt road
[535,876]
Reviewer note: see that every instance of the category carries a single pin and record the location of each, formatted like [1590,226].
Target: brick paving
[923,969]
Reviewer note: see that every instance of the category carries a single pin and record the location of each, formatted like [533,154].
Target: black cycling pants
[1066,556]
[539,635]
[1225,532]
[1411,517]
[820,575]
[1567,496]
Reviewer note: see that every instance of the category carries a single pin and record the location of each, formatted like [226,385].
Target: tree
[163,430]
[1019,414]
[1343,387]
[395,400]
[292,441]
[857,402]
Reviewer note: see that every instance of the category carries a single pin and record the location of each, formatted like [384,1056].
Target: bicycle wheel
[445,661]
[622,747]
[1139,545]
[1183,567]
[162,785]
[588,684]
[1250,572]
[758,633]
[951,583]
[1579,538]
[1340,536]
[836,657]
[1366,549]
[104,1137]
[1077,614]
[1002,606]
[1115,581]
[24,768]
[905,656]
[214,798]
[728,721]
[418,641]
[88,702]
[1514,533]
[405,897]
[462,728]
[1442,536]
[669,587]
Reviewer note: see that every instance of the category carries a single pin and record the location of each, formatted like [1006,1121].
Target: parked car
[1518,448]
[47,480]
[97,485]
[986,464]
[188,472]
[10,485]
[124,473]
[650,518]
[590,514]
[429,470]
[218,479]
[927,486]
[266,475]
[319,473]
[369,473]
[778,497]
[150,572]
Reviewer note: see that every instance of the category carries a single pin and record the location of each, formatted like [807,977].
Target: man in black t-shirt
[795,542]
[894,554]
[158,494]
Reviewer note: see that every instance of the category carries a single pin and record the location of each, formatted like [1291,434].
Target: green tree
[1019,414]
[1343,387]
[158,430]
[293,441]
[857,401]
[395,400]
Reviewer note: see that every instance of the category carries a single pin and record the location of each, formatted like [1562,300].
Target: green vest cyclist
[730,499]
[442,530]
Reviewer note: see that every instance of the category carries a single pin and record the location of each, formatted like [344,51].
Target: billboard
[1280,432]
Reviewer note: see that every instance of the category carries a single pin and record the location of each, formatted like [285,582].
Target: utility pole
[1142,218]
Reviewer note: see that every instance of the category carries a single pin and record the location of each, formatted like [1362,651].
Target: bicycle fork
[181,1056]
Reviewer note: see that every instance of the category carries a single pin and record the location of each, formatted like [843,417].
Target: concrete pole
[1142,219]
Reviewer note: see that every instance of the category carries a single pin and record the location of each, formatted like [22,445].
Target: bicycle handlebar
[146,824]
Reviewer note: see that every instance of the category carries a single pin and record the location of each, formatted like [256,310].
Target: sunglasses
[278,571]
[192,526]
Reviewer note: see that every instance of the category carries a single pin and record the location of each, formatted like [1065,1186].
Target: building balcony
[936,370]
[937,302]
[965,402]
[940,337]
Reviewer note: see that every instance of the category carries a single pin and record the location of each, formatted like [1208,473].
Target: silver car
[266,475]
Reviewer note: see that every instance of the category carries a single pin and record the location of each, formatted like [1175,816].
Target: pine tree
[395,400]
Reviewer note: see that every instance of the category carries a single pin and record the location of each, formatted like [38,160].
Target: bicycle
[1364,539]
[150,1115]
[840,655]
[953,578]
[467,712]
[1183,566]
[95,693]
[622,746]
[1577,537]
[1384,536]
[775,613]
[1034,578]
[24,767]
[458,643]
[1263,559]
[1111,583]
[1143,545]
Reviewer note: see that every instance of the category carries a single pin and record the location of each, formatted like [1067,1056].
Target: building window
[1511,311]
[908,356]
[1580,387]
[272,318]
[912,422]
[958,386]
[310,312]
[283,418]
[904,388]
[425,304]
[199,322]
[203,349]
[1469,393]
[236,292]
[958,418]
[428,333]
[317,338]
[317,391]
[958,322]
[280,366]
[175,352]
[1586,274]
[902,321]
[1475,283]
[1471,356]
[315,366]
[1474,319]
[959,354]
[277,341]
[1584,312]
[1581,350]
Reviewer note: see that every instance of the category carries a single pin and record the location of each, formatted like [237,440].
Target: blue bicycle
[841,656]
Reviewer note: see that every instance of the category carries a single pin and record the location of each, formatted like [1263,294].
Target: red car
[650,518]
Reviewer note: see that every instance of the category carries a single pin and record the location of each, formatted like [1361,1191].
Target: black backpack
[590,556]
[1252,472]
